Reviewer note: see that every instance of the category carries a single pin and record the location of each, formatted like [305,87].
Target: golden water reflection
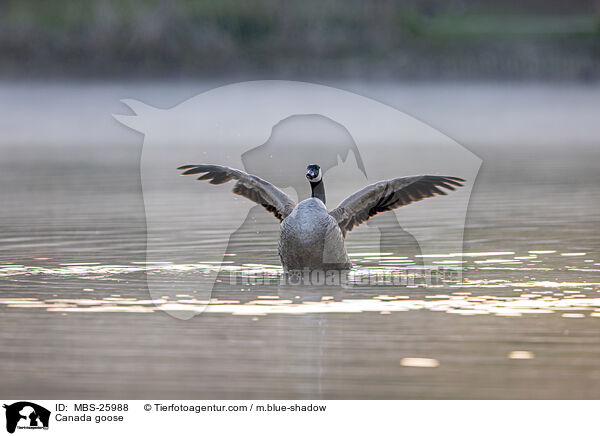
[572,305]
[509,298]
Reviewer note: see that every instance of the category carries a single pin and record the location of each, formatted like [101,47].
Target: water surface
[77,320]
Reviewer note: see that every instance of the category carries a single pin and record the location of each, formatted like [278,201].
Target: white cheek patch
[318,178]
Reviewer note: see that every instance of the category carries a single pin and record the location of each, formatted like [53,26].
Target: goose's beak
[312,174]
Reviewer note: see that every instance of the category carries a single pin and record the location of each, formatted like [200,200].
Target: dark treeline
[404,39]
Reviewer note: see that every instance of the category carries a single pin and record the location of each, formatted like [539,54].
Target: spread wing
[389,195]
[250,186]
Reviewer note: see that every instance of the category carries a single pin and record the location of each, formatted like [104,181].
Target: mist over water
[521,323]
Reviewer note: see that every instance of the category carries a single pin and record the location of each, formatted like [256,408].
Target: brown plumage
[250,186]
[310,236]
[389,195]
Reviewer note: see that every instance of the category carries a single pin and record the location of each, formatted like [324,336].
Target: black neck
[318,190]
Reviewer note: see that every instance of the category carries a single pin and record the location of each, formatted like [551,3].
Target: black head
[313,173]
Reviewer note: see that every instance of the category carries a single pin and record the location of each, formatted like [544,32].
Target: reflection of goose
[310,236]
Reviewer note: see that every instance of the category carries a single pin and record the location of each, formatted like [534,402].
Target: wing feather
[389,195]
[249,186]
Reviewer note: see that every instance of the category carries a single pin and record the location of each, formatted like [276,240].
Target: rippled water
[464,297]
[77,320]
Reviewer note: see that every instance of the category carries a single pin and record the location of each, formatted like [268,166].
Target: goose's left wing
[389,195]
[248,185]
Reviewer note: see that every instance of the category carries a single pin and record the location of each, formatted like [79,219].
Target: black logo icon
[26,415]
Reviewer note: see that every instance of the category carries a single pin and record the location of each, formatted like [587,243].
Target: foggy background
[411,39]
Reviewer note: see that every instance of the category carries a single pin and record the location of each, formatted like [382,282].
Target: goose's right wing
[250,186]
[389,195]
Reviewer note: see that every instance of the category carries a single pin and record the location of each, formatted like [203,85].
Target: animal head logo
[24,414]
[274,130]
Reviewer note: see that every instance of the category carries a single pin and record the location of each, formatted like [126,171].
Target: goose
[310,236]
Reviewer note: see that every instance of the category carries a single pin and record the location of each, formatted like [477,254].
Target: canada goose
[310,236]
